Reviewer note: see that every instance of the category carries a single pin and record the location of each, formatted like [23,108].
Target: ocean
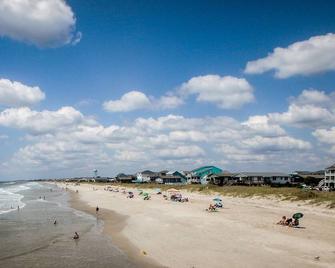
[29,237]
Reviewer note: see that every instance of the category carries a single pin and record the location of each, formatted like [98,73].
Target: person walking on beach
[97,210]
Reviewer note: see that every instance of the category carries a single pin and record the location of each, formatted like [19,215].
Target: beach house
[223,178]
[201,175]
[170,177]
[329,180]
[259,178]
[146,176]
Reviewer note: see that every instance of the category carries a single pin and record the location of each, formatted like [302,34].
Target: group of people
[288,222]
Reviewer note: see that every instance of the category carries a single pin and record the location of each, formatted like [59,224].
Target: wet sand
[243,234]
[113,226]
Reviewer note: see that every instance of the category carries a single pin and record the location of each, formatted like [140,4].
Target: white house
[330,177]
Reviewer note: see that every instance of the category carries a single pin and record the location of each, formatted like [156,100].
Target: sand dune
[242,234]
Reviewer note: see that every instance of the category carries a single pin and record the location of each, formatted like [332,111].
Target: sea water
[29,237]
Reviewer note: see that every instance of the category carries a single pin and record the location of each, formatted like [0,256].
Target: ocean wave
[10,201]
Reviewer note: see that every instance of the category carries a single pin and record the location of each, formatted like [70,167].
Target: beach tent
[297,216]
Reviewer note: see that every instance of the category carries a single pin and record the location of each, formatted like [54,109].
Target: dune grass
[282,193]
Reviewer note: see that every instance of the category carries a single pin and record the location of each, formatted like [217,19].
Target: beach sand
[242,234]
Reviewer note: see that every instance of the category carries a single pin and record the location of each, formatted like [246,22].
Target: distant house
[146,176]
[329,180]
[259,178]
[223,178]
[307,177]
[123,178]
[202,174]
[169,177]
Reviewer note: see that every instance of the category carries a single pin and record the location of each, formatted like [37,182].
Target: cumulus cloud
[137,100]
[66,139]
[14,93]
[311,109]
[45,23]
[226,92]
[41,122]
[325,135]
[306,57]
[130,101]
[168,102]
[262,144]
[261,124]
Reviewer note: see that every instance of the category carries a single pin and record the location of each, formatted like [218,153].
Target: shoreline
[113,226]
[243,233]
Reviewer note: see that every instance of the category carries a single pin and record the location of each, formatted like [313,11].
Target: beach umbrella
[297,216]
[130,192]
[217,199]
[145,194]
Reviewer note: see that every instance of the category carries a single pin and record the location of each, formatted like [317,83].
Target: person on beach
[55,222]
[97,210]
[282,221]
[288,222]
[76,235]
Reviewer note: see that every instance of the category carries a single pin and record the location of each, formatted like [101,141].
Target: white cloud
[227,92]
[307,57]
[45,23]
[14,93]
[137,100]
[263,144]
[312,96]
[311,109]
[325,135]
[68,140]
[41,122]
[261,124]
[130,101]
[168,102]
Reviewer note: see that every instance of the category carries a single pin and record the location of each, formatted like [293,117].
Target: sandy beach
[242,234]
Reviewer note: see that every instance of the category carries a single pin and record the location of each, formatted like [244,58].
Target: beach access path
[242,234]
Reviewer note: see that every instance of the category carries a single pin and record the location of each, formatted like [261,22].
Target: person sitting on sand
[76,235]
[288,222]
[282,221]
[211,207]
[295,223]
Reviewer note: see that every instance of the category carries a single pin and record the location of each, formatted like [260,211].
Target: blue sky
[185,65]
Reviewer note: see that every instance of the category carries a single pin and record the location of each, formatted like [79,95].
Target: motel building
[330,177]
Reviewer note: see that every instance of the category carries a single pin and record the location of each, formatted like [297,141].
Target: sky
[124,86]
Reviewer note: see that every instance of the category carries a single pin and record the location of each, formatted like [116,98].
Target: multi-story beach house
[330,177]
[202,174]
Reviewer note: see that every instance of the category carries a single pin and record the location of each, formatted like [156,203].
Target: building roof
[148,172]
[201,169]
[262,174]
[331,167]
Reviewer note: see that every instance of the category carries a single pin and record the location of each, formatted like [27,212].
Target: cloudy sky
[121,86]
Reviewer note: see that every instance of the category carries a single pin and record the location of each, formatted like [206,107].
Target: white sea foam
[10,199]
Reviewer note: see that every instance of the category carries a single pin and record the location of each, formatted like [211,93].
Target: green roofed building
[201,175]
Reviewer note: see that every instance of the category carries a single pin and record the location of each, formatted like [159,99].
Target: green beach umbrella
[297,216]
[145,194]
